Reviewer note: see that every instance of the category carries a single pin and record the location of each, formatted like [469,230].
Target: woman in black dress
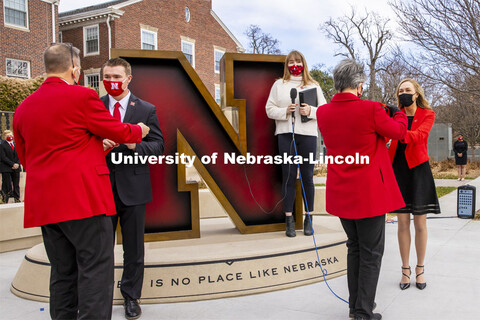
[460,148]
[414,177]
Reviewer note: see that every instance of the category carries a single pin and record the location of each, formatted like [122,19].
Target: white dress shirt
[123,105]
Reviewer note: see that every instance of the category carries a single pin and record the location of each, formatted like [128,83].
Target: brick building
[25,31]
[189,26]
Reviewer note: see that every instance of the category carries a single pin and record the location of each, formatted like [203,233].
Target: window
[187,14]
[90,40]
[218,56]
[188,49]
[16,13]
[217,94]
[93,81]
[60,36]
[149,40]
[18,68]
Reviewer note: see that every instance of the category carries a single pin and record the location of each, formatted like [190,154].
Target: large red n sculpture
[194,124]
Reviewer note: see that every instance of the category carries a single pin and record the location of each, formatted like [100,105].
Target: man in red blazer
[360,194]
[59,131]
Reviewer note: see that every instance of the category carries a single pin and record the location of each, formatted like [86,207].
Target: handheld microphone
[293,96]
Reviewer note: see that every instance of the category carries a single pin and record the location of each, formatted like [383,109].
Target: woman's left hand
[305,109]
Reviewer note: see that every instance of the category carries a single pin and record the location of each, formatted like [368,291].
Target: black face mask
[406,99]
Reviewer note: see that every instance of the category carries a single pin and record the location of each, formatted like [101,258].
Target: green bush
[13,91]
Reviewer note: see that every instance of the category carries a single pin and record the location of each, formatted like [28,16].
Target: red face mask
[10,139]
[114,88]
[295,70]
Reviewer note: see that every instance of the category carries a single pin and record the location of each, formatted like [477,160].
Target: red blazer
[416,138]
[58,134]
[350,125]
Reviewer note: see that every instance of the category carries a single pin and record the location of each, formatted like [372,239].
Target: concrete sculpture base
[223,263]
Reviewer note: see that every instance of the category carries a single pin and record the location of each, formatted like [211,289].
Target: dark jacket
[460,147]
[8,157]
[133,180]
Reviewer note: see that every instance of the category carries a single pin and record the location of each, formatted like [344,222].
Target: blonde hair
[306,77]
[421,101]
[4,134]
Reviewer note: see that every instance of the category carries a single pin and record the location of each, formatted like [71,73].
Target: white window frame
[15,26]
[217,90]
[155,44]
[96,53]
[215,61]
[85,80]
[193,49]
[14,75]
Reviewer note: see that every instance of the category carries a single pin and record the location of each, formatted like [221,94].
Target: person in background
[409,158]
[10,168]
[285,113]
[460,148]
[130,183]
[59,131]
[360,194]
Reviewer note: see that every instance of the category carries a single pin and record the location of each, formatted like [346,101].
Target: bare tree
[393,68]
[449,33]
[463,112]
[260,42]
[371,31]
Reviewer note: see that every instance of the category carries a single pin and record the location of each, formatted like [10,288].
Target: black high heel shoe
[404,286]
[419,285]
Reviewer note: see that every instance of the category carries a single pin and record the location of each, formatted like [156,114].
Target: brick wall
[30,44]
[75,36]
[168,16]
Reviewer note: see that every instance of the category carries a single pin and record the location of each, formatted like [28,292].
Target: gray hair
[348,74]
[58,57]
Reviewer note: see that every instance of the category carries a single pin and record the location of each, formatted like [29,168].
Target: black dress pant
[11,184]
[6,183]
[15,176]
[132,224]
[81,259]
[366,242]
[306,146]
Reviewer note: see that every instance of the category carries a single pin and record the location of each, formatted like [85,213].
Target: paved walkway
[451,268]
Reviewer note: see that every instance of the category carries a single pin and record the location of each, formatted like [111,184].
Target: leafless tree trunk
[371,31]
[261,43]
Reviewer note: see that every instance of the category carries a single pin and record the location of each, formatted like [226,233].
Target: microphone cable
[310,219]
[306,206]
[253,196]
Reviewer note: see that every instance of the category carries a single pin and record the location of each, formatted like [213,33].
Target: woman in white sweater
[280,108]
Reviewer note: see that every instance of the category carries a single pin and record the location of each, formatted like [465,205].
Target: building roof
[113,8]
[93,8]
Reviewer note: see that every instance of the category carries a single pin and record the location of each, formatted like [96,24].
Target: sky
[295,23]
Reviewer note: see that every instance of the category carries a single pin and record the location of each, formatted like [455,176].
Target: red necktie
[116,112]
[13,147]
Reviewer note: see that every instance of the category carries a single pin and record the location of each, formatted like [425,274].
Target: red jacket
[58,133]
[416,138]
[350,125]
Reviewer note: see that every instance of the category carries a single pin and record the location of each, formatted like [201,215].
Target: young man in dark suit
[130,182]
[10,168]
